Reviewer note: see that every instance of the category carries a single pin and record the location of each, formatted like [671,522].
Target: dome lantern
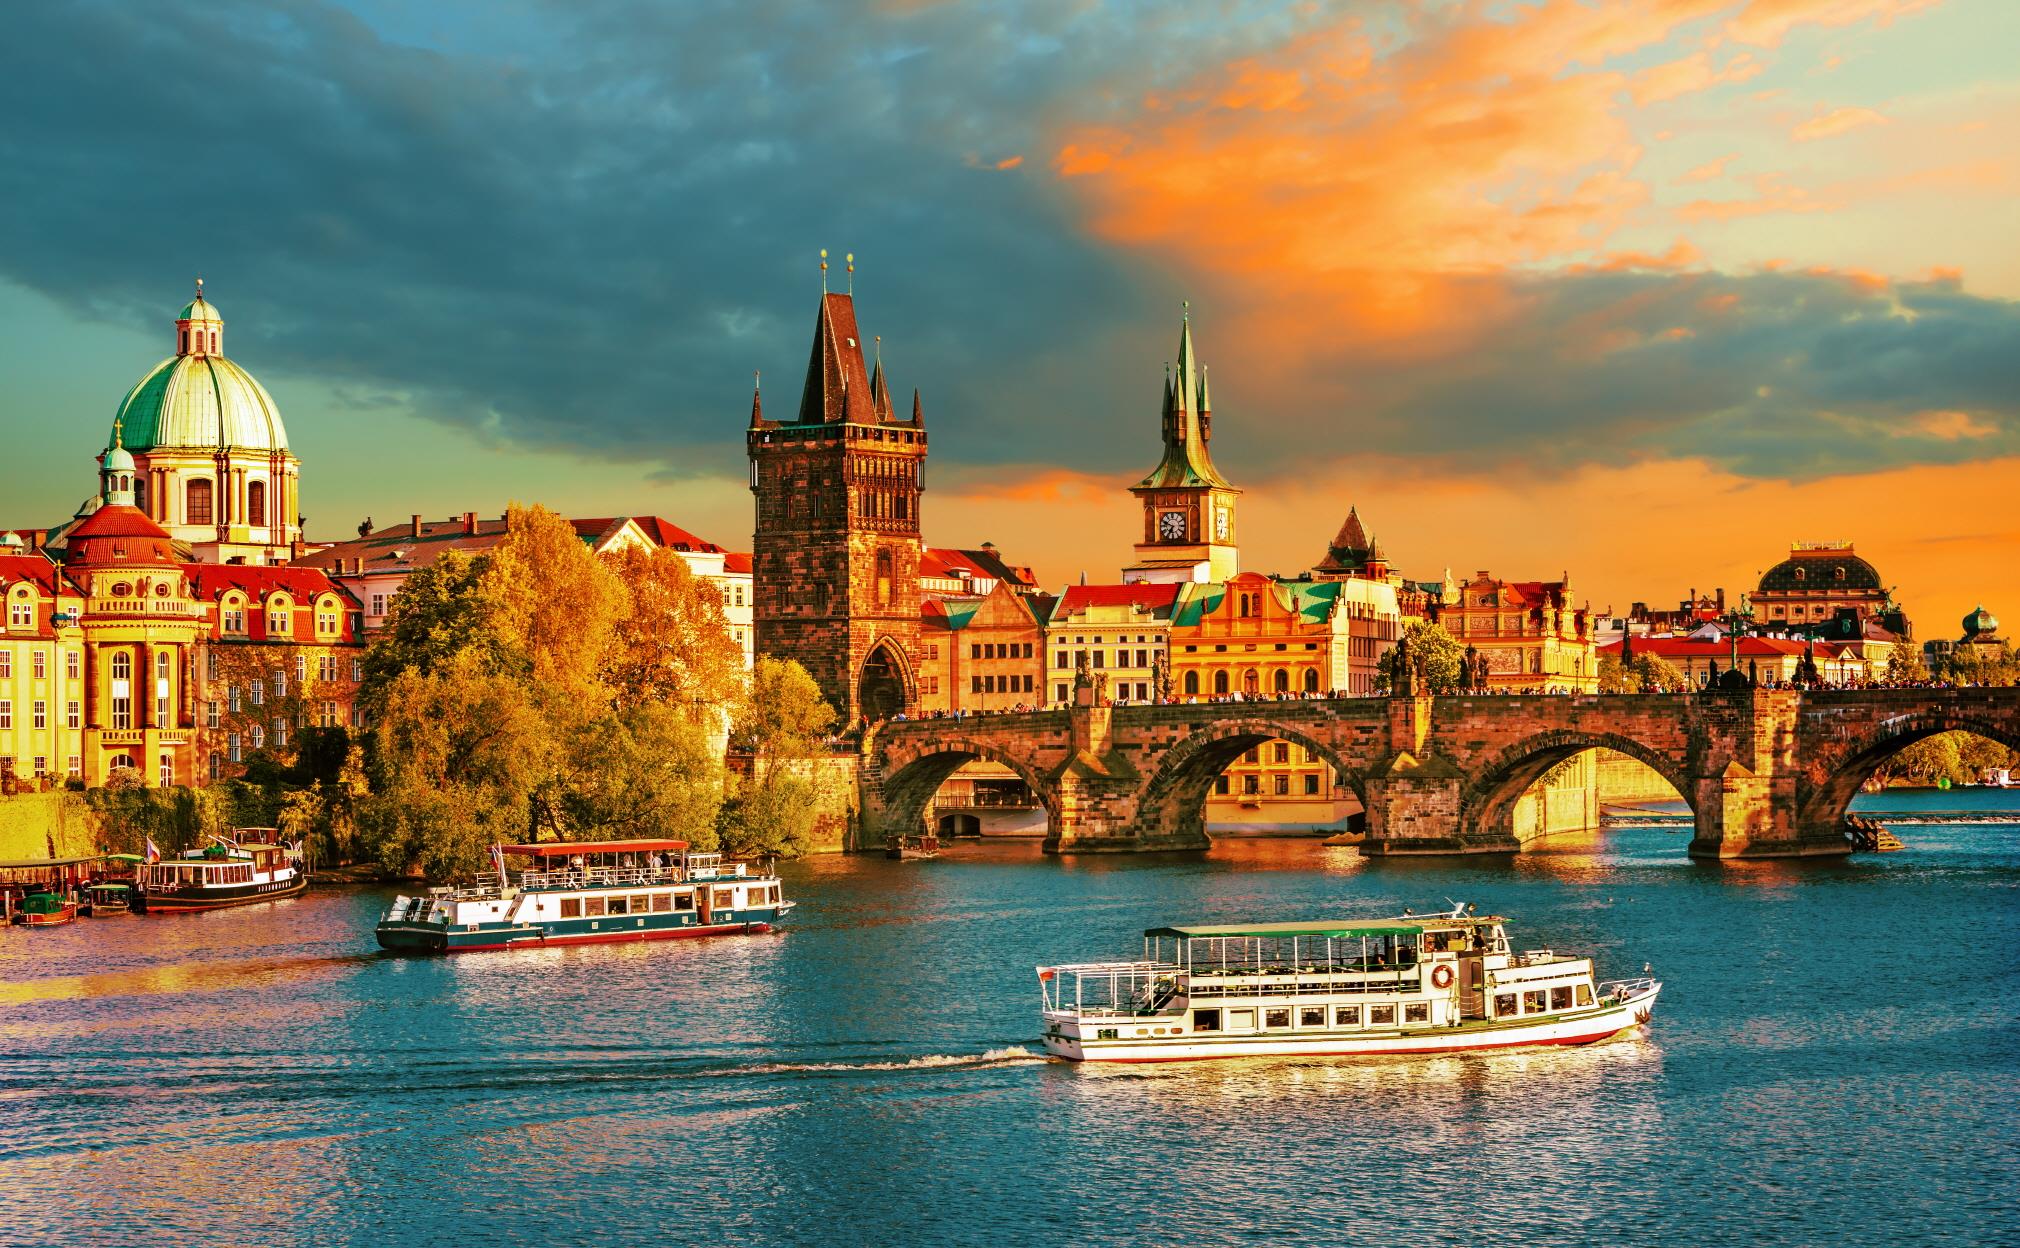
[199,330]
[115,469]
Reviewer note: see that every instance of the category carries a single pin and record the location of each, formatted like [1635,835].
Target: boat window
[1277,1017]
[1241,1020]
[1504,1005]
[724,899]
[592,906]
[1419,1012]
[683,901]
[640,903]
[571,907]
[1381,1016]
[662,903]
[1560,997]
[1532,1002]
[618,905]
[1585,994]
[1346,1016]
[1312,1016]
[1206,1020]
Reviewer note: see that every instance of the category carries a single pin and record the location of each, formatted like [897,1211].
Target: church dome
[1824,568]
[1980,623]
[199,399]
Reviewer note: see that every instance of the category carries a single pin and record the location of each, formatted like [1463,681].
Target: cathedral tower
[1188,507]
[835,554]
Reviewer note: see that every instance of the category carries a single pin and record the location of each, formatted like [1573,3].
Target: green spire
[1185,462]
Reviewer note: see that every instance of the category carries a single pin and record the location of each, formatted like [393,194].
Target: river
[1834,1061]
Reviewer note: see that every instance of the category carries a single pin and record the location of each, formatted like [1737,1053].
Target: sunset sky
[1641,290]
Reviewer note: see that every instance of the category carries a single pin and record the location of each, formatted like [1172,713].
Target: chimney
[416,526]
[469,524]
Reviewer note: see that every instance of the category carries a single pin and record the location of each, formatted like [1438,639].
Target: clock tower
[1188,507]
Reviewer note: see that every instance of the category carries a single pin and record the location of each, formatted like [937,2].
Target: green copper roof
[200,401]
[1186,461]
[199,309]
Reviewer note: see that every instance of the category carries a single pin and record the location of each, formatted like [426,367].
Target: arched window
[1282,681]
[1311,680]
[256,504]
[885,575]
[140,493]
[122,666]
[1192,683]
[213,342]
[196,502]
[1220,682]
[185,342]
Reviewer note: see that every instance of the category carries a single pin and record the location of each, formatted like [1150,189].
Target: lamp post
[1736,620]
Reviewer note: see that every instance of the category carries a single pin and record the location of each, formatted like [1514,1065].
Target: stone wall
[47,825]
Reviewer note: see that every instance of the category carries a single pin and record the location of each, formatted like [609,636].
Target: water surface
[1833,1062]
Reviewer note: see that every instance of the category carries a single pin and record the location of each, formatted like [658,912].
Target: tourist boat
[588,892]
[1440,983]
[105,898]
[251,864]
[48,909]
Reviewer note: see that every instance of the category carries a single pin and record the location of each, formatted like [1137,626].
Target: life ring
[1441,977]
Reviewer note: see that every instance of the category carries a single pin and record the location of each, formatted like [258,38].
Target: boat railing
[1109,989]
[1621,991]
[600,877]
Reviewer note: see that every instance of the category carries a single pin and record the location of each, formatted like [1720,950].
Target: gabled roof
[736,561]
[949,563]
[662,531]
[38,571]
[211,580]
[1150,598]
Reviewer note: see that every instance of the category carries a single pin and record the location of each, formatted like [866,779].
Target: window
[592,907]
[329,715]
[1281,681]
[258,696]
[6,713]
[301,668]
[41,665]
[1206,1020]
[1220,784]
[197,502]
[1311,786]
[1059,693]
[71,715]
[1346,1016]
[167,771]
[41,714]
[232,695]
[280,683]
[1311,680]
[258,736]
[1311,1016]
[1585,994]
[234,617]
[1277,1017]
[571,907]
[1283,786]
[256,504]
[357,669]
[662,903]
[1281,751]
[75,766]
[1532,1002]
[235,747]
[1381,1016]
[280,734]
[1560,997]
[71,665]
[216,764]
[1417,1012]
[1220,682]
[279,621]
[1251,784]
[1192,683]
[20,614]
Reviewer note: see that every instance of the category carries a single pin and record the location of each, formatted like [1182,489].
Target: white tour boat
[1435,983]
[588,892]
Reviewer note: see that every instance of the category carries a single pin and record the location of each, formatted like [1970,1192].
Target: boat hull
[52,918]
[398,936]
[1584,1027]
[218,898]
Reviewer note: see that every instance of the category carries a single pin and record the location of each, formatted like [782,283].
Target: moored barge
[588,892]
[252,864]
[1439,983]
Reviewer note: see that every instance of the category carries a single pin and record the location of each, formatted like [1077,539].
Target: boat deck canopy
[1236,931]
[564,849]
[30,864]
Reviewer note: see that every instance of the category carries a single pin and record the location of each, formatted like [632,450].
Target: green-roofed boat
[1435,983]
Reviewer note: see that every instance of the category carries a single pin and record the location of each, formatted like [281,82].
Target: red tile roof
[736,561]
[211,580]
[1142,595]
[38,571]
[668,534]
[1691,648]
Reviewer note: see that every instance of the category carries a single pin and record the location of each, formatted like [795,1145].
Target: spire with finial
[1186,461]
[850,260]
[824,270]
[918,412]
[880,391]
[757,406]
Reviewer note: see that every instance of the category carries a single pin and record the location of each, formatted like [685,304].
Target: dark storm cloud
[581,226]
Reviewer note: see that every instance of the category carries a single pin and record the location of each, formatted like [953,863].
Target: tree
[649,770]
[1436,654]
[673,644]
[440,614]
[1641,672]
[782,724]
[1904,662]
[554,604]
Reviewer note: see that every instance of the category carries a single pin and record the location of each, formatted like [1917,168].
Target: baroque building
[1527,633]
[835,550]
[1189,523]
[211,463]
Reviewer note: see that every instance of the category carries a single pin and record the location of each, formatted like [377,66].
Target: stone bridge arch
[1831,775]
[1171,805]
[910,770]
[1497,781]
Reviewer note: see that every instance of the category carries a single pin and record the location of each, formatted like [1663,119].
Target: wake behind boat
[1413,984]
[588,892]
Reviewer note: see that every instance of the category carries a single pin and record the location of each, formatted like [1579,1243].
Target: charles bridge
[1768,773]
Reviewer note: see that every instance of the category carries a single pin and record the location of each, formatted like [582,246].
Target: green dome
[199,309]
[1980,623]
[201,401]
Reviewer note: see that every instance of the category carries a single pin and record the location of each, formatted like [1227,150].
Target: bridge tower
[835,551]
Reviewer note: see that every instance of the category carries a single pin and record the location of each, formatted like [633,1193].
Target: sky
[1640,291]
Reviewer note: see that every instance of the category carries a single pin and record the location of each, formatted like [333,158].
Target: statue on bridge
[1160,677]
[1083,682]
[1406,668]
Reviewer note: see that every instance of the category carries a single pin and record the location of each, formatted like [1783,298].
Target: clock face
[1220,523]
[1171,525]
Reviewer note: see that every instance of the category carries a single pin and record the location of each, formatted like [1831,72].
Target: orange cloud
[1837,121]
[1010,162]
[1947,427]
[1771,194]
[1765,23]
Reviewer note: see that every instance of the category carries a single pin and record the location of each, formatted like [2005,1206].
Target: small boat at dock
[48,909]
[588,892]
[1439,983]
